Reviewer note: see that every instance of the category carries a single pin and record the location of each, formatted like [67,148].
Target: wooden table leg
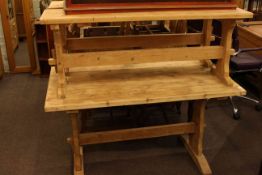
[194,142]
[77,149]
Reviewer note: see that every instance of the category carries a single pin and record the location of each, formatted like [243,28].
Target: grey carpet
[33,142]
[22,54]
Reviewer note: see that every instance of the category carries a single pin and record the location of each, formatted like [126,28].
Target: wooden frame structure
[153,74]
[8,38]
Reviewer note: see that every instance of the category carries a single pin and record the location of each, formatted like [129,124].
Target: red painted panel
[107,6]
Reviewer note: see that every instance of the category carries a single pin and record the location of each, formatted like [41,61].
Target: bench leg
[77,149]
[194,142]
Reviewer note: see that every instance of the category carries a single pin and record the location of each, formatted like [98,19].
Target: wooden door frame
[28,22]
[1,65]
[8,38]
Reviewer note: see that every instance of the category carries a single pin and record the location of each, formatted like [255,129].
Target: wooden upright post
[77,149]
[58,37]
[207,32]
[194,142]
[222,67]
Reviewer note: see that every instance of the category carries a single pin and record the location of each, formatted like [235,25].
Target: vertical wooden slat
[222,67]
[207,37]
[58,37]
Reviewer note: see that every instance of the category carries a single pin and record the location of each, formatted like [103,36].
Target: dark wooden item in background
[44,45]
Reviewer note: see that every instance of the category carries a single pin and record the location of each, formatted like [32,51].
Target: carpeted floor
[34,142]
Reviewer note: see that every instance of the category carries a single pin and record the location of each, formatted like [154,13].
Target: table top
[254,27]
[138,84]
[55,15]
[56,5]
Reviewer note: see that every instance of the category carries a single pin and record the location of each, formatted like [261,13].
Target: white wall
[36,6]
[3,47]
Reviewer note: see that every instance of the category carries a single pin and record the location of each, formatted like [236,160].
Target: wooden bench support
[79,172]
[135,133]
[192,132]
[200,159]
[77,149]
[194,142]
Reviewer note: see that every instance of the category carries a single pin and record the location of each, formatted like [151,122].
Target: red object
[110,6]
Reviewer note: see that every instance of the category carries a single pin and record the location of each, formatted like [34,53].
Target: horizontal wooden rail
[136,133]
[134,41]
[126,57]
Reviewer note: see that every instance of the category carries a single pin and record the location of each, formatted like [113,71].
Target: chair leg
[236,114]
[249,99]
[258,106]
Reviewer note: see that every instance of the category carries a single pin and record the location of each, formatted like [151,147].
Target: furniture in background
[250,34]
[44,46]
[110,72]
[247,61]
[44,42]
[255,6]
[245,36]
[1,65]
[7,8]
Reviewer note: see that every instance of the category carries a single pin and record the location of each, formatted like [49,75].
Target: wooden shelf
[41,41]
[140,84]
[44,43]
[58,16]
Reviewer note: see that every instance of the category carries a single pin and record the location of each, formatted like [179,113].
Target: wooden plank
[126,57]
[134,41]
[58,16]
[164,82]
[136,133]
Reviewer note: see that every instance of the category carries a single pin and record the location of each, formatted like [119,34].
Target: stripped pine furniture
[161,69]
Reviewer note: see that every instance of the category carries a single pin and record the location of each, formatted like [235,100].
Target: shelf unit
[44,46]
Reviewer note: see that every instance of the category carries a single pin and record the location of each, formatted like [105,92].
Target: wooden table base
[191,133]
